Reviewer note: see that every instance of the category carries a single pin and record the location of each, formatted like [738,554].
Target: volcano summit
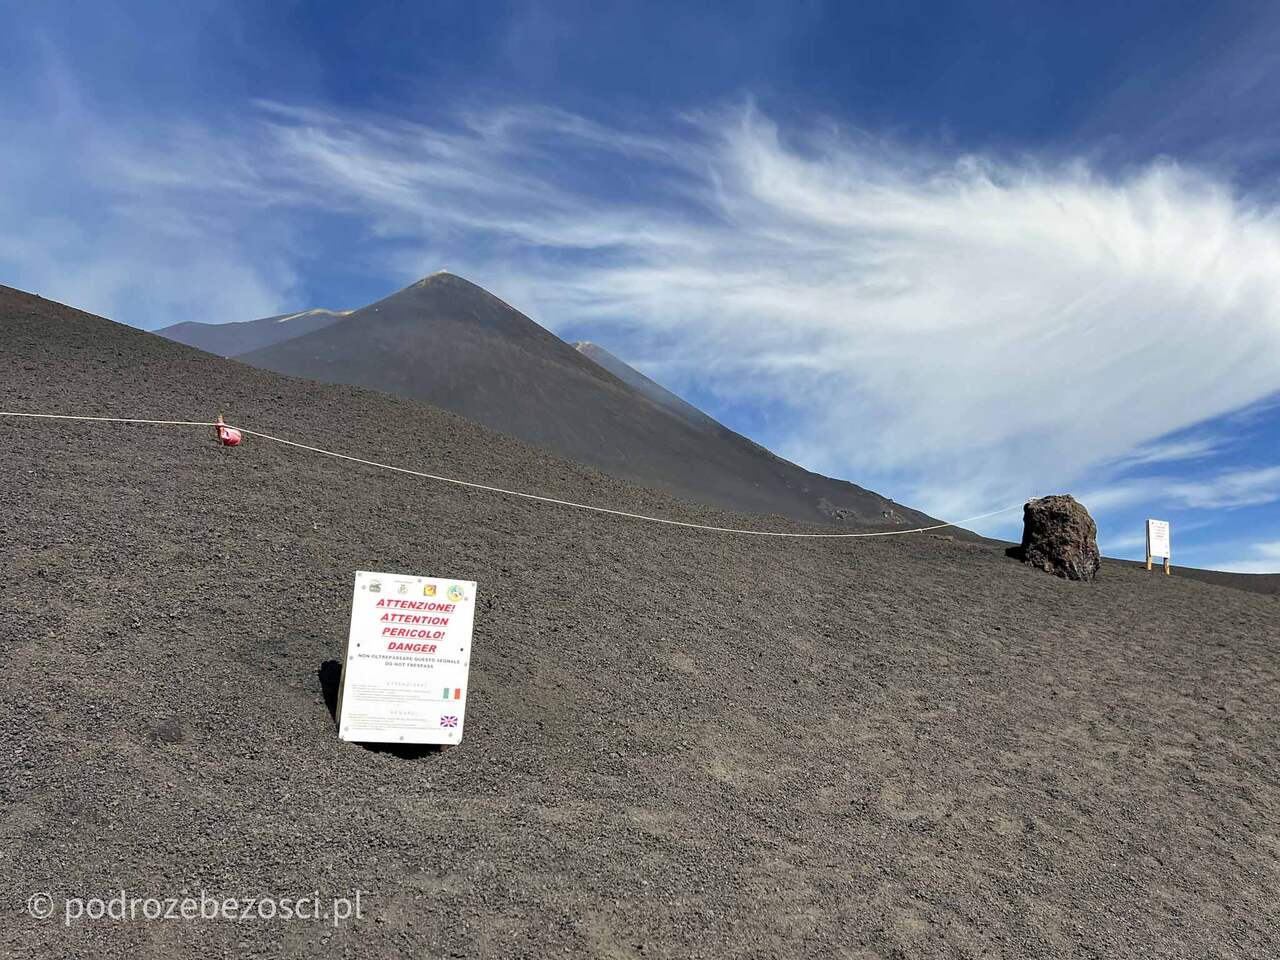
[450,343]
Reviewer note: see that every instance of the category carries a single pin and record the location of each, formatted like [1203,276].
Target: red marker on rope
[229,436]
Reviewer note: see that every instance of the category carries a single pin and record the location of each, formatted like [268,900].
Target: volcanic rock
[1060,537]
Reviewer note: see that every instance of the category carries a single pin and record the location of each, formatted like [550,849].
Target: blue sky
[961,253]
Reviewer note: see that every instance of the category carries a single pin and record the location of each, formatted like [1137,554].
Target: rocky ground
[678,744]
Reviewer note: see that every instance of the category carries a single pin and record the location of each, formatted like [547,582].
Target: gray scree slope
[679,743]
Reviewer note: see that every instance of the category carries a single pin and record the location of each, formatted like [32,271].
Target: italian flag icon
[452,693]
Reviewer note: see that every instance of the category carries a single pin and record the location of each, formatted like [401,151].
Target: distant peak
[313,312]
[458,290]
[453,283]
[593,350]
[438,275]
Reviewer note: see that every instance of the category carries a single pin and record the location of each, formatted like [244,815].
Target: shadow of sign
[330,675]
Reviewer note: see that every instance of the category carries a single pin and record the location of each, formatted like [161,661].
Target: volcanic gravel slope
[1257,582]
[679,743]
[448,342]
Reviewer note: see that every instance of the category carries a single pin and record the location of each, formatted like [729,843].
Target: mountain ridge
[231,338]
[450,342]
[645,385]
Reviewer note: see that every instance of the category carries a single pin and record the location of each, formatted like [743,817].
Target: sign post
[404,676]
[1158,542]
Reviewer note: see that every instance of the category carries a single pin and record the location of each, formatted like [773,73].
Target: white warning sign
[1158,539]
[404,678]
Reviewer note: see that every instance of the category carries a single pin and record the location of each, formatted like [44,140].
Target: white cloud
[1172,451]
[131,218]
[1118,545]
[1248,566]
[1231,489]
[961,331]
[1265,558]
[977,330]
[1238,488]
[132,269]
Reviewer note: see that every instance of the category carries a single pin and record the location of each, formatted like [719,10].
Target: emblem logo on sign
[455,593]
[428,589]
[402,589]
[375,586]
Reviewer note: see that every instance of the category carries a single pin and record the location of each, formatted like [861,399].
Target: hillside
[450,343]
[236,337]
[1268,583]
[679,743]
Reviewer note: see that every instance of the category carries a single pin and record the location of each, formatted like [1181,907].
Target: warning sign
[404,678]
[1158,539]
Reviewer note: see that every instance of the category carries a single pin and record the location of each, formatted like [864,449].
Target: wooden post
[1166,566]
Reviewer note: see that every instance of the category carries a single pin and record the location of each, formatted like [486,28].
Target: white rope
[528,496]
[64,416]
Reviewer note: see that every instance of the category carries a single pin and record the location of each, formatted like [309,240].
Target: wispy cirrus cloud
[1262,557]
[1243,488]
[960,331]
[974,328]
[1173,451]
[105,212]
[1225,490]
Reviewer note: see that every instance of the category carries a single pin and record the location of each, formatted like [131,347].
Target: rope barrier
[517,493]
[65,416]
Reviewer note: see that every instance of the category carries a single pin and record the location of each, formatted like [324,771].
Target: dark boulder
[1060,537]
